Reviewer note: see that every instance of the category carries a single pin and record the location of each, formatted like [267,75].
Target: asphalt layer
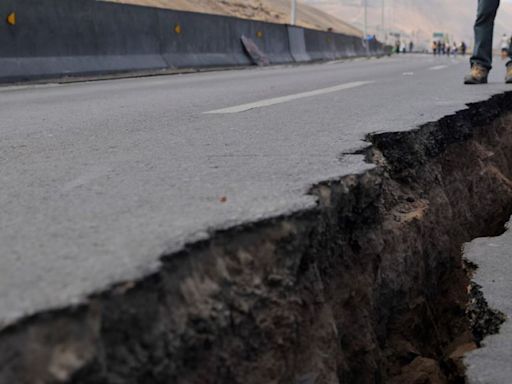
[98,180]
[491,363]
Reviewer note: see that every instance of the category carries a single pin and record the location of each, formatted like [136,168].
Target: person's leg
[509,52]
[484,28]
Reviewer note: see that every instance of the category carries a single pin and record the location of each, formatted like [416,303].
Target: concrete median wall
[54,38]
[209,40]
[330,46]
[58,37]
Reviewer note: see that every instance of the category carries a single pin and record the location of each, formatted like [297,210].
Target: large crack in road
[368,287]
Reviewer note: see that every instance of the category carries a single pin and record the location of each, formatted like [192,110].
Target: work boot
[508,77]
[478,75]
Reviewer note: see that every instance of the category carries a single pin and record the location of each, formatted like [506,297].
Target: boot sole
[475,82]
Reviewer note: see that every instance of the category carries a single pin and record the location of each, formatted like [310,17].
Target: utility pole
[382,22]
[365,28]
[293,17]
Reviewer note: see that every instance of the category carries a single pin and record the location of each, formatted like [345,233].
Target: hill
[276,11]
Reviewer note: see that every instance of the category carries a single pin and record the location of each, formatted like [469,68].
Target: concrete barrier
[348,46]
[330,46]
[57,37]
[54,38]
[199,40]
[319,45]
[298,44]
[195,40]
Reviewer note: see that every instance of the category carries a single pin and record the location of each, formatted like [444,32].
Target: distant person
[411,46]
[447,49]
[434,47]
[455,49]
[481,60]
[403,47]
[505,46]
[463,48]
[397,46]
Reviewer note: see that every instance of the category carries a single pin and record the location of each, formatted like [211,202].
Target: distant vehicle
[439,36]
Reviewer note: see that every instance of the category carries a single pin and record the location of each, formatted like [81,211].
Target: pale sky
[418,18]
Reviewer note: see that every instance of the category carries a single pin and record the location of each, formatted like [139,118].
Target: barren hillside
[277,11]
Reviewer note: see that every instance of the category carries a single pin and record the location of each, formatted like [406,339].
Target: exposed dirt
[463,193]
[484,321]
[369,287]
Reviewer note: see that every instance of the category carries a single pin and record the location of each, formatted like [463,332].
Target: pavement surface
[98,180]
[491,363]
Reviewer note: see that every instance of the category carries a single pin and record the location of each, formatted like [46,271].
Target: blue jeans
[484,29]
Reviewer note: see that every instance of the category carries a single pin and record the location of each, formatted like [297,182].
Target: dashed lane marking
[437,67]
[285,99]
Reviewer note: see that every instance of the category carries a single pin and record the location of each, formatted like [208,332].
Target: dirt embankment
[274,11]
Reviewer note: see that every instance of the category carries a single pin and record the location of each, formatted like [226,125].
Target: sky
[418,19]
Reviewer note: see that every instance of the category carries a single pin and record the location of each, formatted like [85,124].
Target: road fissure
[369,286]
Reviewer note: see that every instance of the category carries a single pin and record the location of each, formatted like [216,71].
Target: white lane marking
[437,67]
[285,99]
[408,74]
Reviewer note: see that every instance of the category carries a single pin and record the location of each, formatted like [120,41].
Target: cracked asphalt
[99,179]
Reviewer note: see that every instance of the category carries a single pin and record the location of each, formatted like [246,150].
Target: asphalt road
[98,180]
[491,363]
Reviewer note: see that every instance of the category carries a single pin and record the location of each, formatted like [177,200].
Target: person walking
[463,48]
[403,47]
[504,45]
[481,60]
